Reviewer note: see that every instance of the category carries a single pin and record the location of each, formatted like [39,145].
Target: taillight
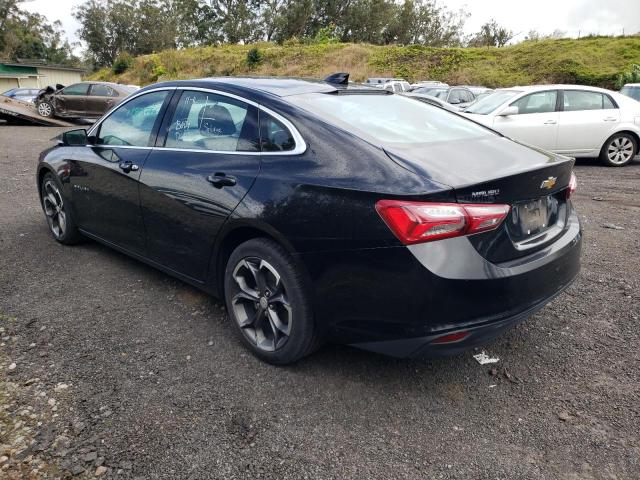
[573,185]
[417,222]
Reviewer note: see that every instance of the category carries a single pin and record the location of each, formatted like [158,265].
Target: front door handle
[550,122]
[610,119]
[128,166]
[220,180]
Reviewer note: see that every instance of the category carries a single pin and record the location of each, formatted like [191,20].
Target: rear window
[390,118]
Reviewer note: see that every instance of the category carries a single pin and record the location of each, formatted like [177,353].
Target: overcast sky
[575,17]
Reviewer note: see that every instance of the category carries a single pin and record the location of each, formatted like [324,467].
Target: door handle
[610,119]
[128,166]
[550,122]
[220,180]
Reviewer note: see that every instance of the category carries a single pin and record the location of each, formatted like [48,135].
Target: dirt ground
[109,367]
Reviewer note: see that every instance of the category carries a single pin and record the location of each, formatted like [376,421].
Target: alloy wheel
[261,305]
[620,150]
[54,208]
[44,109]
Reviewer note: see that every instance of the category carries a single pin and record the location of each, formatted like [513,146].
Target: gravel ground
[109,367]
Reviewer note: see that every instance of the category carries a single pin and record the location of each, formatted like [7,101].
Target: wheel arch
[234,235]
[631,133]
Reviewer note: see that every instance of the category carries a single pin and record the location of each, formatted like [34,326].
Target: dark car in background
[24,94]
[322,211]
[81,100]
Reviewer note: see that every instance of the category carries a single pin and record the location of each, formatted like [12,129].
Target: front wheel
[58,216]
[267,298]
[619,150]
[45,109]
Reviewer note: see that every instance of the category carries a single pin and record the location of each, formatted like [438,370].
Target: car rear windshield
[389,118]
[489,103]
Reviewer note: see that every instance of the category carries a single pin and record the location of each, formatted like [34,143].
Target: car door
[536,122]
[199,171]
[100,100]
[586,120]
[104,175]
[71,100]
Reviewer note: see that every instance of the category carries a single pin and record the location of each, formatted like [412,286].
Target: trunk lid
[498,170]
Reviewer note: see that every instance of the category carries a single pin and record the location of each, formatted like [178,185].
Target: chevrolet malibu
[322,211]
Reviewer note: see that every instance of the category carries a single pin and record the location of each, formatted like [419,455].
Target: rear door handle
[220,180]
[550,122]
[610,119]
[128,166]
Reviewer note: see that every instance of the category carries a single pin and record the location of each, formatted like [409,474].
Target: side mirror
[510,110]
[74,138]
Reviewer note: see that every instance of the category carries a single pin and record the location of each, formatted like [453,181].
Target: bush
[632,76]
[254,57]
[122,63]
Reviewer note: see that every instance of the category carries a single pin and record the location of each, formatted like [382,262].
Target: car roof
[278,86]
[536,88]
[632,84]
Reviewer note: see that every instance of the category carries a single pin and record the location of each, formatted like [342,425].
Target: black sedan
[322,211]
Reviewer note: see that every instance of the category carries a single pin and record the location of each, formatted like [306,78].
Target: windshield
[633,92]
[389,119]
[489,103]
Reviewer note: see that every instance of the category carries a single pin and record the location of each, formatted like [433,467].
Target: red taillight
[573,185]
[451,338]
[417,222]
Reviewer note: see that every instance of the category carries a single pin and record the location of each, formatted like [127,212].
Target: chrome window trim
[300,144]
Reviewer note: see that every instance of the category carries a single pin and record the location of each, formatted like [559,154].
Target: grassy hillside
[592,61]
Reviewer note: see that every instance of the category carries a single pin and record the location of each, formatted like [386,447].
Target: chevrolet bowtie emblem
[549,183]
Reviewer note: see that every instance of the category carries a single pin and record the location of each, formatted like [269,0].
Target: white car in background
[570,120]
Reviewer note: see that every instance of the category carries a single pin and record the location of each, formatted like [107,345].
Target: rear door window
[580,100]
[102,91]
[209,121]
[132,123]
[539,102]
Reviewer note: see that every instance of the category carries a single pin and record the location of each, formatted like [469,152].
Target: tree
[491,35]
[29,35]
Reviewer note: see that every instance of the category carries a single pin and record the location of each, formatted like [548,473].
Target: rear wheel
[59,219]
[45,109]
[267,298]
[619,150]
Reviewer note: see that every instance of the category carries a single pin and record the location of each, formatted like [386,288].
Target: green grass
[591,61]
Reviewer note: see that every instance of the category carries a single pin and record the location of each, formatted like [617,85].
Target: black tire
[45,109]
[266,304]
[58,216]
[619,150]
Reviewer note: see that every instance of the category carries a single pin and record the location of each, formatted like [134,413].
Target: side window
[539,102]
[132,123]
[467,96]
[455,96]
[274,136]
[607,103]
[98,90]
[578,100]
[208,121]
[77,89]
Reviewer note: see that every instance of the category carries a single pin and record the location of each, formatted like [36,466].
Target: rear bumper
[478,335]
[397,300]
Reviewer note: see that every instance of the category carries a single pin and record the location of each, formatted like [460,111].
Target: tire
[45,109]
[58,216]
[619,150]
[268,300]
